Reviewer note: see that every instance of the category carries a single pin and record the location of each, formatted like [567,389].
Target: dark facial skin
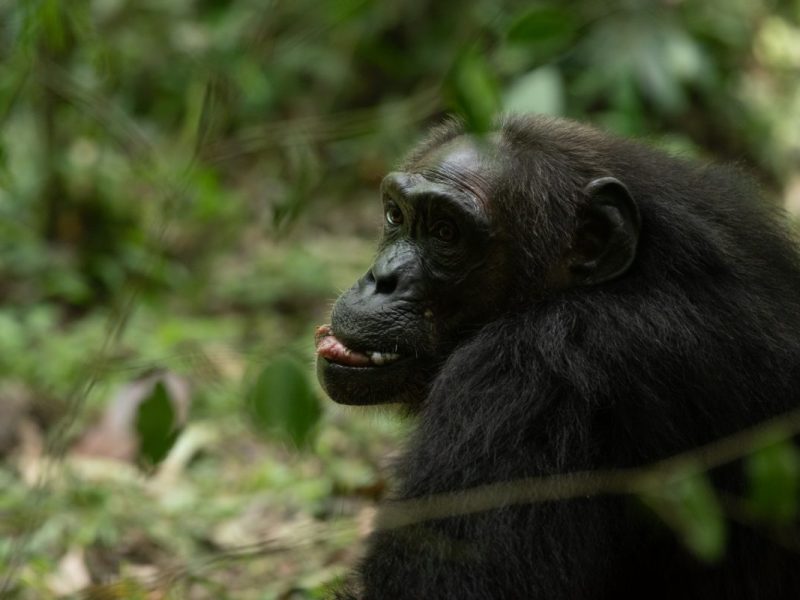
[436,278]
[442,271]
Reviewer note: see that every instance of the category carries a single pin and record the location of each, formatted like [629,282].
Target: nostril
[386,272]
[385,284]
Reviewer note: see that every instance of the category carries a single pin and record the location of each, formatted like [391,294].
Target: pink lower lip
[331,349]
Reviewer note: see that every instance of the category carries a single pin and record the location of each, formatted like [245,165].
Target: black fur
[698,340]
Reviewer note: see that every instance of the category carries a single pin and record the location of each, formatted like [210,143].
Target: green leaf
[690,506]
[547,26]
[52,19]
[473,91]
[773,474]
[344,11]
[540,91]
[206,117]
[282,402]
[156,426]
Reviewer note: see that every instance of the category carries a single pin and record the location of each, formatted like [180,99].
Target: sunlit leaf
[282,402]
[654,76]
[156,426]
[540,91]
[473,91]
[773,474]
[689,505]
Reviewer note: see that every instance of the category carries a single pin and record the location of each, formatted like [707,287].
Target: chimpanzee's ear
[607,234]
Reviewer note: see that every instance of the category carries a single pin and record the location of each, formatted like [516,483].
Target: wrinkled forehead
[465,163]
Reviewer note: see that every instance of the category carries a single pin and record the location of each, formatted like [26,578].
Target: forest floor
[232,511]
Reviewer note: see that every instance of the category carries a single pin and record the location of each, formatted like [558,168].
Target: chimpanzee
[548,299]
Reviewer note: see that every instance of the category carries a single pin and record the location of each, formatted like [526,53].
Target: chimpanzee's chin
[369,384]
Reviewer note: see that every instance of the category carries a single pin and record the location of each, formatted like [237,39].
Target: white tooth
[381,358]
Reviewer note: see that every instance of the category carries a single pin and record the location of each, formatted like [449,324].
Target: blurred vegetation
[185,185]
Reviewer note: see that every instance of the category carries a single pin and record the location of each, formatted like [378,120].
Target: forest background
[186,185]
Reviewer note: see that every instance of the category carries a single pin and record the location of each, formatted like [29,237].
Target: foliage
[474,91]
[690,505]
[185,185]
[156,426]
[774,481]
[282,402]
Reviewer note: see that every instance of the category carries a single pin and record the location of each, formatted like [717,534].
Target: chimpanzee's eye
[445,231]
[394,216]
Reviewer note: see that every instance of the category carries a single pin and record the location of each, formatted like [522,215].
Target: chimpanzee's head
[473,228]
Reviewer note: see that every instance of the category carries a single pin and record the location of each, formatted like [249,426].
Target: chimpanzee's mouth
[333,350]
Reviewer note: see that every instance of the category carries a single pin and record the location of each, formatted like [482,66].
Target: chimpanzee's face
[437,277]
